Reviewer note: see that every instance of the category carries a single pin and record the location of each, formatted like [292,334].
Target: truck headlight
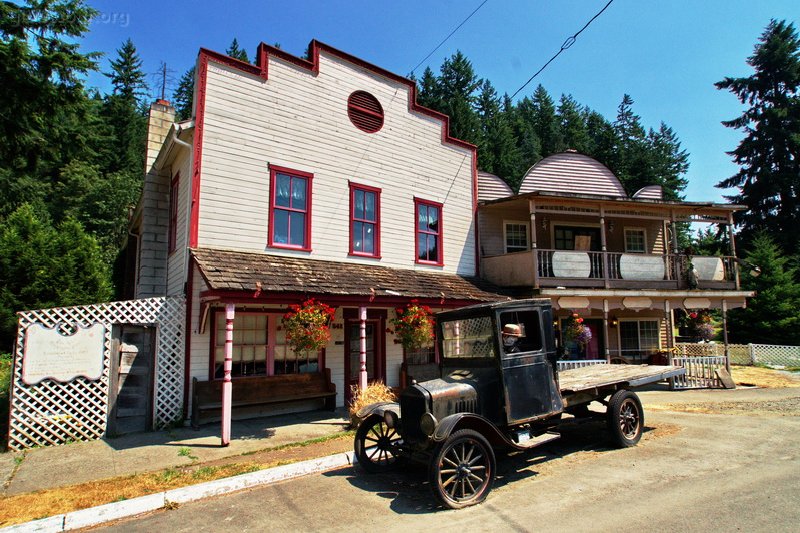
[427,423]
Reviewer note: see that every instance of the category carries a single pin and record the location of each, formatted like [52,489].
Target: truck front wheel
[462,469]
[376,445]
[625,418]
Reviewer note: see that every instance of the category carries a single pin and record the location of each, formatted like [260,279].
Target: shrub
[375,392]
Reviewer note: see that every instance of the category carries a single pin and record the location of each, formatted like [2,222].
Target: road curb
[94,516]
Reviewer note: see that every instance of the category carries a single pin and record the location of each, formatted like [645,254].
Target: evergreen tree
[44,266]
[602,140]
[524,126]
[772,313]
[239,53]
[428,94]
[545,122]
[769,155]
[668,163]
[630,162]
[574,134]
[126,75]
[497,150]
[184,95]
[457,85]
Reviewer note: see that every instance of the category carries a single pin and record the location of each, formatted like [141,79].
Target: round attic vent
[365,111]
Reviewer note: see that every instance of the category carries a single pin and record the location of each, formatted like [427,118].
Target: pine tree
[545,122]
[630,162]
[772,313]
[428,94]
[184,95]
[524,126]
[769,155]
[668,163]
[497,149]
[126,75]
[574,134]
[457,85]
[239,53]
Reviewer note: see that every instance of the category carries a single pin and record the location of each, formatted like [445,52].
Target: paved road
[697,472]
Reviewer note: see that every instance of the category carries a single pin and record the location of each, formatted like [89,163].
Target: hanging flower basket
[413,325]
[576,331]
[307,326]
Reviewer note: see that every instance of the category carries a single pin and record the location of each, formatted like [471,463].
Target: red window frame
[354,187]
[293,174]
[173,213]
[439,234]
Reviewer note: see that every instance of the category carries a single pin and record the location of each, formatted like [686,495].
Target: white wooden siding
[572,173]
[176,262]
[199,342]
[298,120]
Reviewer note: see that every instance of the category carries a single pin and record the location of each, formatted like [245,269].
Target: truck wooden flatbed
[588,383]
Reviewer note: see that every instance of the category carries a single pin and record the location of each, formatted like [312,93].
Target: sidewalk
[80,462]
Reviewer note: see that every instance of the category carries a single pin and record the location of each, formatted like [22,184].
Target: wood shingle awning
[232,271]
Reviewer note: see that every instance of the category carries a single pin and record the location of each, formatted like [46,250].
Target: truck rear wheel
[625,418]
[462,469]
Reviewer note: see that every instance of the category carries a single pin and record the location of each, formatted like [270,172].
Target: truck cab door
[528,378]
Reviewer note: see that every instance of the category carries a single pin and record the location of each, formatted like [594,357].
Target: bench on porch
[262,391]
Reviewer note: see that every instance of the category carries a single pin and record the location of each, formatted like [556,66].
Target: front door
[376,357]
[131,387]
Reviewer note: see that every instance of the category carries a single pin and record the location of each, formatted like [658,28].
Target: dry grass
[766,378]
[40,504]
[375,392]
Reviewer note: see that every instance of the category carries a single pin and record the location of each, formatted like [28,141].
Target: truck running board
[523,439]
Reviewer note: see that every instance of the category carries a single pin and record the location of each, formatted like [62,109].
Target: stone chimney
[151,278]
[160,120]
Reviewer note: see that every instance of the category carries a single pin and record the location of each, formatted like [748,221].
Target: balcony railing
[568,268]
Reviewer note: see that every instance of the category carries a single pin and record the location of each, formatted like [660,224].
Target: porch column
[725,331]
[733,253]
[227,385]
[362,353]
[606,332]
[603,246]
[534,245]
[676,273]
[670,330]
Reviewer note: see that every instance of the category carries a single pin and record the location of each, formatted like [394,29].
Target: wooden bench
[262,390]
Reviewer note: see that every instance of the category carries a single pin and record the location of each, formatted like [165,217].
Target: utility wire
[569,42]
[451,34]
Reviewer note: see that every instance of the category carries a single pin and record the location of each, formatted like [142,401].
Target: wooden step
[523,439]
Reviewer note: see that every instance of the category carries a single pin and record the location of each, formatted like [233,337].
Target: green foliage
[184,95]
[234,51]
[6,361]
[44,266]
[513,137]
[768,179]
[772,315]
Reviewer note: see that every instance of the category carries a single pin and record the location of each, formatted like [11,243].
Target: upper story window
[173,213]
[635,240]
[290,209]
[365,208]
[428,216]
[516,236]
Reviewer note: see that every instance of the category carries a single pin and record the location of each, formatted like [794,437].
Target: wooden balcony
[610,270]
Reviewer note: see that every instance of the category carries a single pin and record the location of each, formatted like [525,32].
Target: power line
[569,42]
[451,34]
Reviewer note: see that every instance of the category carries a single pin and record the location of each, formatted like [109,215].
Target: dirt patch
[44,503]
[767,378]
[782,407]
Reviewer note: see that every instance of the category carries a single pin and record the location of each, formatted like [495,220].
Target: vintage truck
[492,396]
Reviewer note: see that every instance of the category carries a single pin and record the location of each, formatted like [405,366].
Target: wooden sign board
[50,355]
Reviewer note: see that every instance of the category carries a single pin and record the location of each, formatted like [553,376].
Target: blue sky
[666,55]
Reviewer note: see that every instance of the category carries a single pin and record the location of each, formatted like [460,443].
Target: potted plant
[307,326]
[413,325]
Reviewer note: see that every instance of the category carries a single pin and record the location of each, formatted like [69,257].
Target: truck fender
[472,421]
[378,408]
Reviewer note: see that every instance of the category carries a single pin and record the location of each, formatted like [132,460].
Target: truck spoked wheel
[462,469]
[625,418]
[375,445]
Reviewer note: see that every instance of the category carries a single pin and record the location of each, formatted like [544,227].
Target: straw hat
[512,329]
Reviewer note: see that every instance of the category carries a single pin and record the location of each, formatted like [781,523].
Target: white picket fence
[701,372]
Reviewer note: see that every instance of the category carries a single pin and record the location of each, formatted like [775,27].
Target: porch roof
[227,270]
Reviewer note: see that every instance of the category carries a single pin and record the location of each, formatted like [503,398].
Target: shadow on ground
[409,492]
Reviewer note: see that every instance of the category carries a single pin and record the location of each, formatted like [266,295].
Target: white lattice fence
[774,355]
[746,354]
[50,412]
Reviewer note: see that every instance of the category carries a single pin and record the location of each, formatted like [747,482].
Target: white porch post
[362,354]
[606,331]
[725,334]
[227,386]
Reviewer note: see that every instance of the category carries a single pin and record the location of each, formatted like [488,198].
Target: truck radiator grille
[468,405]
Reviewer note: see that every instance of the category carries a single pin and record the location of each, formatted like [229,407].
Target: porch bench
[262,390]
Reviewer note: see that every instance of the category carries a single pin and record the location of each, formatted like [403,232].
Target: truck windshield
[471,337]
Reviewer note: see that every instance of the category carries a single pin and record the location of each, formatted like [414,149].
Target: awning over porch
[225,270]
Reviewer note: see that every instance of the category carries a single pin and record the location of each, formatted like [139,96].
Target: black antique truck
[495,394]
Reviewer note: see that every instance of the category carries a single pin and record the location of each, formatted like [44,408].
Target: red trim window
[173,212]
[290,209]
[428,232]
[365,217]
